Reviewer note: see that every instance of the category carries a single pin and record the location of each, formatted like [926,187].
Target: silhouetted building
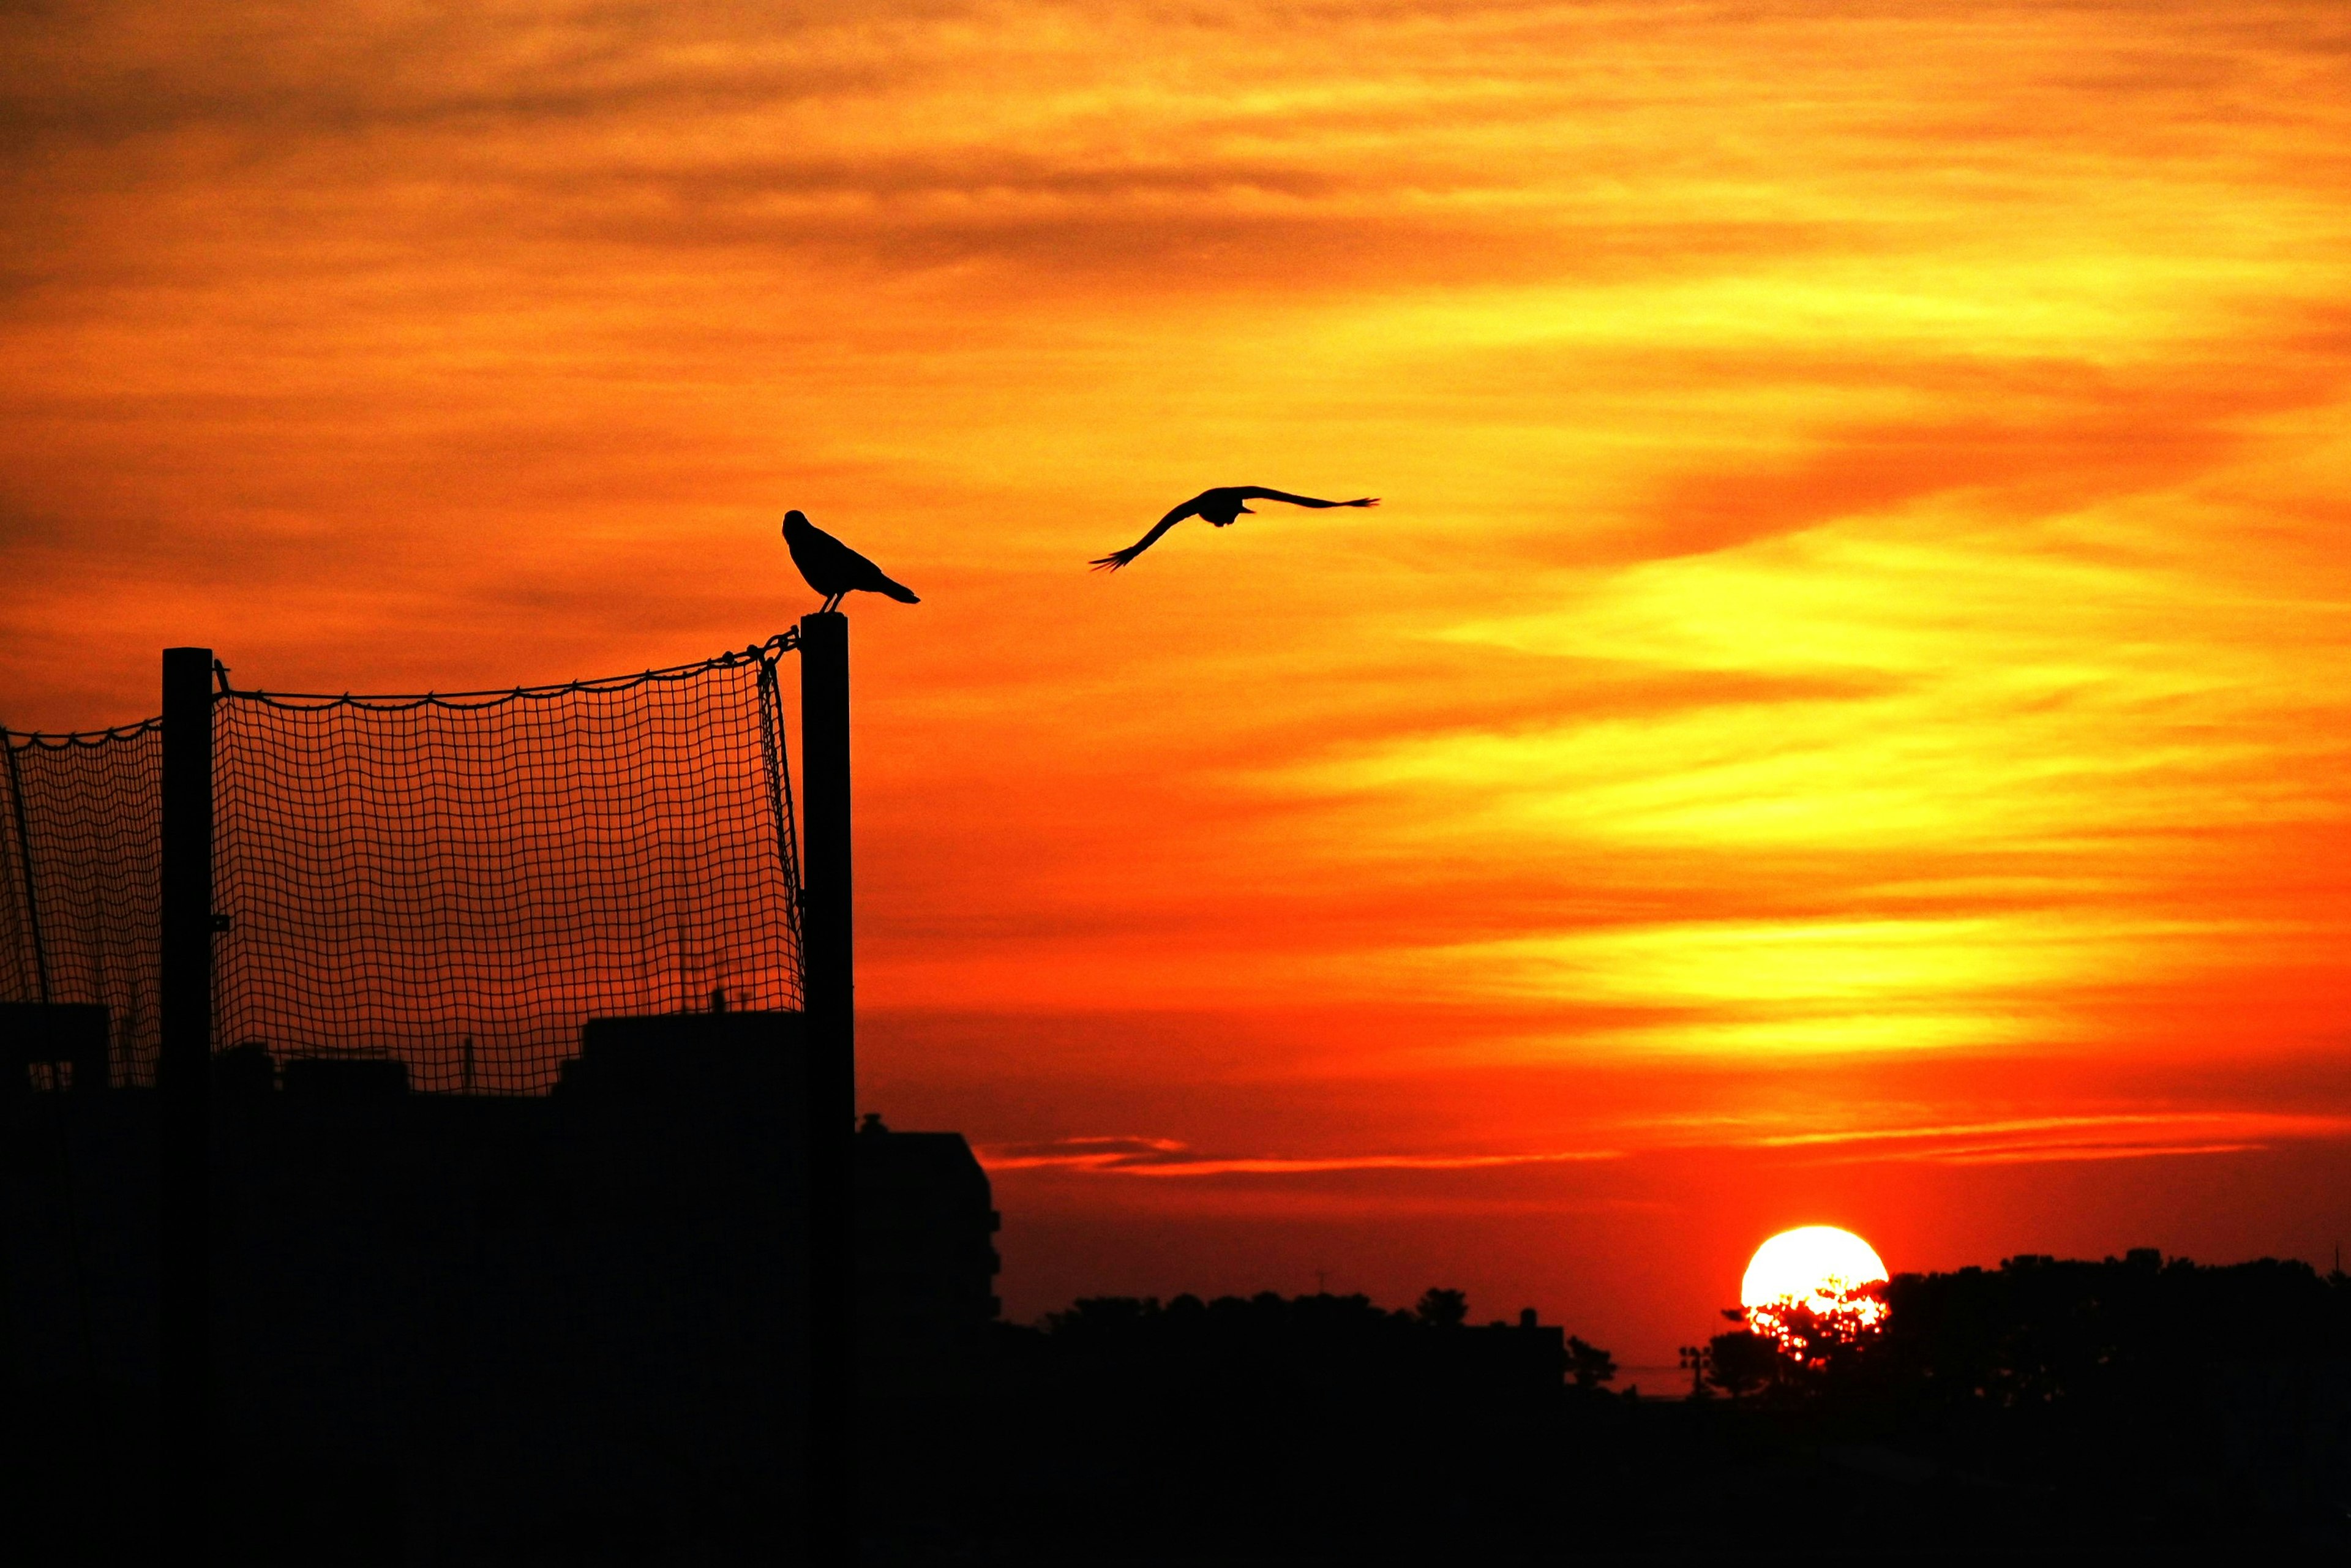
[475,1328]
[926,1261]
[78,1181]
[51,1046]
[508,1325]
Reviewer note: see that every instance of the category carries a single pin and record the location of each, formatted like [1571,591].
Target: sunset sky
[1843,715]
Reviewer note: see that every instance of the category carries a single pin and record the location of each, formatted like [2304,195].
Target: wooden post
[183,1083]
[831,1020]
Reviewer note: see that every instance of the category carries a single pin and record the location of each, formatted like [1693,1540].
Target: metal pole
[832,1023]
[183,1073]
[25,869]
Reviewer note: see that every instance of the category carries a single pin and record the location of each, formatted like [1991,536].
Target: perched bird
[832,569]
[1221,506]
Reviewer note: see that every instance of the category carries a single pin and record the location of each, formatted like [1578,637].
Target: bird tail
[897,590]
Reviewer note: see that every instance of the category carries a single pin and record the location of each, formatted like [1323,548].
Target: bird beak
[1250,511]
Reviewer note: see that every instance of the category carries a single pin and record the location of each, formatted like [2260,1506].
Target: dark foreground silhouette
[574,1328]
[1221,506]
[2162,1410]
[832,569]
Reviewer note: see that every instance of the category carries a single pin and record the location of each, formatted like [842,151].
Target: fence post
[182,1085]
[24,873]
[832,1023]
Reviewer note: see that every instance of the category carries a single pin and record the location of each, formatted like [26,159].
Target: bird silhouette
[832,569]
[1220,506]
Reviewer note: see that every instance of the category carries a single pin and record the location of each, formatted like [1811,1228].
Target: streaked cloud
[2030,1140]
[2023,1140]
[1170,1157]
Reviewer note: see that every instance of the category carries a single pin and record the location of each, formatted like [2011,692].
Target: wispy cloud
[2037,1139]
[2051,1153]
[1168,1157]
[2023,1140]
[2127,1124]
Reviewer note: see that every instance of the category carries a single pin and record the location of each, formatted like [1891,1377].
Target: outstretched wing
[1259,493]
[1117,558]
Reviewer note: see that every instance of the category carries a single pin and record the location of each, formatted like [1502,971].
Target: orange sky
[1842,716]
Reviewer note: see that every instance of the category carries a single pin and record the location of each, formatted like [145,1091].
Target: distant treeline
[2162,1407]
[2168,1388]
[1270,1335]
[2038,1332]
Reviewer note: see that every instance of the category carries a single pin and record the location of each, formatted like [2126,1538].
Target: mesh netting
[455,881]
[460,882]
[81,861]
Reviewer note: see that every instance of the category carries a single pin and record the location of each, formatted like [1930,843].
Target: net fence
[81,855]
[458,881]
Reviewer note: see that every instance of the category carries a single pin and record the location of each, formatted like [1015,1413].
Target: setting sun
[1813,1287]
[1843,710]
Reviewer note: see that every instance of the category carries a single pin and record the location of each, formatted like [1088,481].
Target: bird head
[795,519]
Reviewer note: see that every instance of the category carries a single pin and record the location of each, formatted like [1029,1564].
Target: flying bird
[832,569]
[1221,506]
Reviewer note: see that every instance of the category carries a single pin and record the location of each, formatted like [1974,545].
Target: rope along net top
[459,882]
[81,854]
[454,881]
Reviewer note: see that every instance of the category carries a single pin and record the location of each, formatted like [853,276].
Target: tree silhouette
[1740,1363]
[1442,1309]
[1590,1364]
[1825,1328]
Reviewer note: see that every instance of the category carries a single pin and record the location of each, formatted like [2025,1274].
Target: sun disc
[1812,1284]
[1795,1262]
